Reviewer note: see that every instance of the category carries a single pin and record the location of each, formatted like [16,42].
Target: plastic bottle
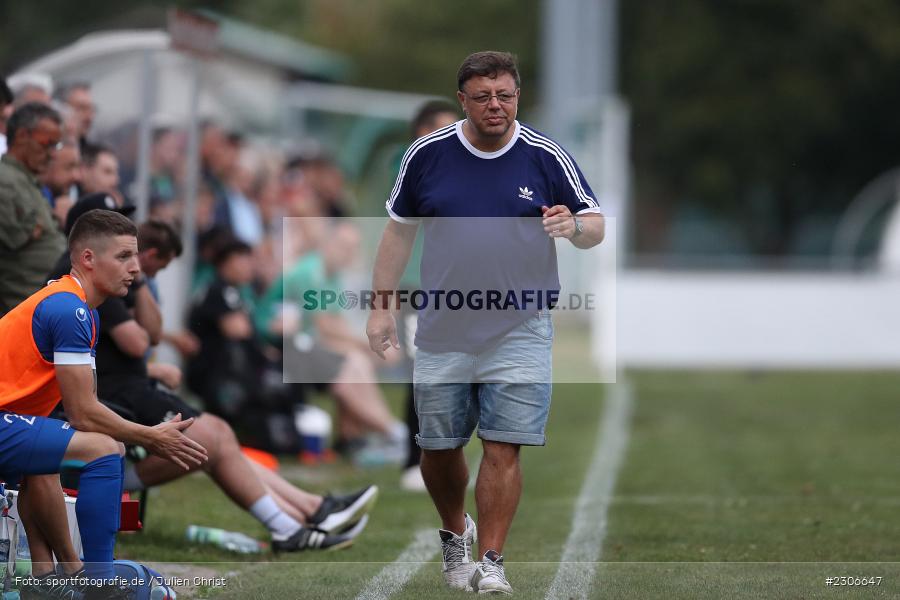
[23,555]
[314,426]
[162,593]
[229,540]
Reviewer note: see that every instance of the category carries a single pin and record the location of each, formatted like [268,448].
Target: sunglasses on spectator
[49,144]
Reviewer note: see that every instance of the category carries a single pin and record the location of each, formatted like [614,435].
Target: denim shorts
[504,390]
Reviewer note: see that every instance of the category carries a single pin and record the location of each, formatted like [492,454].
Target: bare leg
[154,470]
[227,465]
[446,476]
[43,513]
[302,501]
[356,392]
[348,427]
[288,508]
[497,493]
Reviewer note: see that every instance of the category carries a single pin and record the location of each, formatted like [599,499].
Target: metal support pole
[145,125]
[192,178]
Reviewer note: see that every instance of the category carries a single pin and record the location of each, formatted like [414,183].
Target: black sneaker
[315,539]
[339,512]
[54,585]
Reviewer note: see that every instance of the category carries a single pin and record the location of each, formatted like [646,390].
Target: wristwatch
[579,227]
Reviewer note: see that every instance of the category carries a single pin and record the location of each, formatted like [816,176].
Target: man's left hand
[558,221]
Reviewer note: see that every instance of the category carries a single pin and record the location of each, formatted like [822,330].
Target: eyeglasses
[482,99]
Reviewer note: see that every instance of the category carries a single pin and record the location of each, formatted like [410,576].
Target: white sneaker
[412,480]
[457,555]
[489,576]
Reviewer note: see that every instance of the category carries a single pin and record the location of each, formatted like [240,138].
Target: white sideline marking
[582,550]
[745,501]
[395,575]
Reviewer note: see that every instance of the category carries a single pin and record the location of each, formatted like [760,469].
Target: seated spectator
[166,162]
[77,97]
[231,370]
[70,125]
[30,241]
[327,181]
[100,171]
[31,87]
[218,157]
[246,220]
[266,193]
[59,181]
[6,108]
[320,347]
[208,245]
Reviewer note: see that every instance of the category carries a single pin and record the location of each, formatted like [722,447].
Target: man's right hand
[382,332]
[170,443]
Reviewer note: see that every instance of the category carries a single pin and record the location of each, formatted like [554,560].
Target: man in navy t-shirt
[493,195]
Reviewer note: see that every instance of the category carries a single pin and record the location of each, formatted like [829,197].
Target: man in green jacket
[30,241]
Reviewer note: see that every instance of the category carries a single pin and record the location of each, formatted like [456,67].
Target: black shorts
[144,402]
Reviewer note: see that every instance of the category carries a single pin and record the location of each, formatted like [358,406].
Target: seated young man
[321,347]
[47,349]
[130,326]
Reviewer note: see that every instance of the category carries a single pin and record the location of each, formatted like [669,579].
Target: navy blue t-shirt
[445,182]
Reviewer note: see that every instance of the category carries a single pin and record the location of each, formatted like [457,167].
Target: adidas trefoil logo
[525,193]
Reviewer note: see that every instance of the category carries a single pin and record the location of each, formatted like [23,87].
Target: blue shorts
[31,445]
[504,391]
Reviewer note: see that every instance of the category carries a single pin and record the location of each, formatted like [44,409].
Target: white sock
[133,483]
[399,432]
[279,523]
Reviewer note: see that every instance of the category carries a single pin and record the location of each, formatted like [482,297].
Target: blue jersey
[444,182]
[62,326]
[54,326]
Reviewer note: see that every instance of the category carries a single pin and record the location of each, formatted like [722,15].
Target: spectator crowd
[245,324]
[245,332]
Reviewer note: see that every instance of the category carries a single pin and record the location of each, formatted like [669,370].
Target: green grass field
[733,485]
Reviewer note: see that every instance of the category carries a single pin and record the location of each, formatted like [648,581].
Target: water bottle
[314,426]
[23,555]
[9,538]
[162,592]
[229,540]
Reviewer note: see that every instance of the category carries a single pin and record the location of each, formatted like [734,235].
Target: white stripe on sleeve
[564,160]
[73,358]
[400,219]
[444,132]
